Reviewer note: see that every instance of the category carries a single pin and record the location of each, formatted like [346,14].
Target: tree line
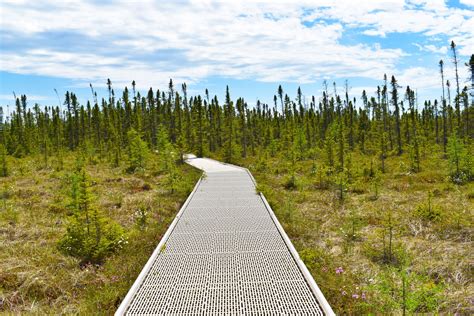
[391,122]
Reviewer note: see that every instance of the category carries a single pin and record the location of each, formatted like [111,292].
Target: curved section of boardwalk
[225,253]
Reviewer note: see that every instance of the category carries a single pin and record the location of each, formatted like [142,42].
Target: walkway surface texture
[225,253]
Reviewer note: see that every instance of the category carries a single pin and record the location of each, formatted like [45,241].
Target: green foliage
[341,181]
[376,181]
[423,295]
[290,182]
[262,162]
[408,292]
[168,159]
[460,161]
[352,225]
[415,156]
[329,149]
[89,236]
[322,176]
[288,211]
[137,151]
[383,246]
[59,160]
[428,211]
[141,216]
[3,161]
[341,284]
[7,212]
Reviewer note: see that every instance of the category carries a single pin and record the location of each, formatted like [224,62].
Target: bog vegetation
[376,193]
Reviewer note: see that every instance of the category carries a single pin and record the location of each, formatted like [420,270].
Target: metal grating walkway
[225,253]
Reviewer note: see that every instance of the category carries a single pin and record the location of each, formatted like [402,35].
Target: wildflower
[363,296]
[339,270]
[356,296]
[344,293]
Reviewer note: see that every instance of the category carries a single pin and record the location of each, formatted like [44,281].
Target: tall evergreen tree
[395,103]
[458,94]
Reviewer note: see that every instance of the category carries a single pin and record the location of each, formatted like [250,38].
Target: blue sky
[252,46]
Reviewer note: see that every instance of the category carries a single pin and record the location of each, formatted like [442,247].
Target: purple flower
[363,296]
[355,296]
[339,270]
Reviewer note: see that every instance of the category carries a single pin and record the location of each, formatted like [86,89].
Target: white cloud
[31,97]
[443,50]
[467,2]
[237,39]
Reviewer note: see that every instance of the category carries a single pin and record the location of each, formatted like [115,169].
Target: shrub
[423,295]
[323,176]
[290,182]
[404,291]
[262,162]
[352,224]
[341,183]
[460,161]
[137,151]
[427,211]
[89,235]
[3,161]
[141,216]
[358,187]
[383,246]
[9,214]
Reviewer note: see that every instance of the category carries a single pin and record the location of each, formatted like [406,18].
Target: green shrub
[137,151]
[290,182]
[9,214]
[341,181]
[407,292]
[89,235]
[460,161]
[358,187]
[3,161]
[262,162]
[425,296]
[427,211]
[470,195]
[323,174]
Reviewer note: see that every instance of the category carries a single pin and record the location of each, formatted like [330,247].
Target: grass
[35,277]
[429,266]
[426,268]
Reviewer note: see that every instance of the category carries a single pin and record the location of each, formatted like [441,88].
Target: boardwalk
[225,253]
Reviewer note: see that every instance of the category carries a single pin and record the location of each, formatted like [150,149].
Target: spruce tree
[137,151]
[90,236]
[470,66]
[444,107]
[458,94]
[395,103]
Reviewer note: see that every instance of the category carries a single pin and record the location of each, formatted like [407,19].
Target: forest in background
[390,176]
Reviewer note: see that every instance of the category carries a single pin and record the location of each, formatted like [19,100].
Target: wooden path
[224,254]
